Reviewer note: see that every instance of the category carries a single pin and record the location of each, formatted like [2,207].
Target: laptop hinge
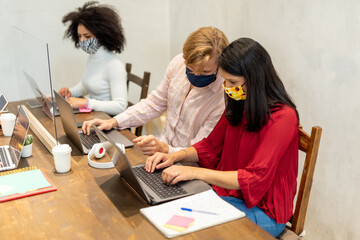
[137,194]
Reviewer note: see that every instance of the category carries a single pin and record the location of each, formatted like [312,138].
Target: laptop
[44,100]
[10,155]
[82,141]
[149,186]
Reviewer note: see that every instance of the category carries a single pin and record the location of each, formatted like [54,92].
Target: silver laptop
[149,186]
[82,141]
[44,100]
[10,155]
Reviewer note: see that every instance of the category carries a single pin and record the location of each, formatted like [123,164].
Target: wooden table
[91,203]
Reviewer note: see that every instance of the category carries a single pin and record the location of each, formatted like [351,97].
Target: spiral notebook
[24,182]
[191,214]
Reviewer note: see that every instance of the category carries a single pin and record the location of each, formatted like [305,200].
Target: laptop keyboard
[4,160]
[154,181]
[89,140]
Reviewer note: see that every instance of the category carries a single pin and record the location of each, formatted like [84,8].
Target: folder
[24,182]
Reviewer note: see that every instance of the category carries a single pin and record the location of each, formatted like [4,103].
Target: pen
[198,211]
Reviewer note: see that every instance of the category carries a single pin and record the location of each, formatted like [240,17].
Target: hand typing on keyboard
[177,173]
[76,102]
[154,181]
[100,123]
[159,161]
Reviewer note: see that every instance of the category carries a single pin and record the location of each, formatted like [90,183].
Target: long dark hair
[265,91]
[100,20]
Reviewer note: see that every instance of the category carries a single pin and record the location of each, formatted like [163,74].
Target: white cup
[62,153]
[26,151]
[7,123]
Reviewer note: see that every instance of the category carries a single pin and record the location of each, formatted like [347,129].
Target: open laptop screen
[20,129]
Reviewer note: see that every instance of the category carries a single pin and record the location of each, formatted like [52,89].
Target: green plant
[28,140]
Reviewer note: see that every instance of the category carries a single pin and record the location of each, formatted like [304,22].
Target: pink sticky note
[85,109]
[179,223]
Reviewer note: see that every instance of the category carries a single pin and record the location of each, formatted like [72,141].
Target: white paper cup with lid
[62,154]
[7,123]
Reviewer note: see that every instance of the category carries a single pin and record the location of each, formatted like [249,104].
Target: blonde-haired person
[191,93]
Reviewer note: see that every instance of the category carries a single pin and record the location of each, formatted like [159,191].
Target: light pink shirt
[191,116]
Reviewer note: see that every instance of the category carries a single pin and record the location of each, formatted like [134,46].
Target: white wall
[315,48]
[146,31]
[314,45]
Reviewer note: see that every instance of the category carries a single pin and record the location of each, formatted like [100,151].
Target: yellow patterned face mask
[235,93]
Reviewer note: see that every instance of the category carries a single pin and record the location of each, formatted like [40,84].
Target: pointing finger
[138,139]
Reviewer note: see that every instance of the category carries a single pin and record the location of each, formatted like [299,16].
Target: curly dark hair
[100,20]
[265,91]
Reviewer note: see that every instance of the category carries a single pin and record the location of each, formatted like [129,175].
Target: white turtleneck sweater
[104,81]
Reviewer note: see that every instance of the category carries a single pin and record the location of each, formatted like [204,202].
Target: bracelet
[185,152]
[87,103]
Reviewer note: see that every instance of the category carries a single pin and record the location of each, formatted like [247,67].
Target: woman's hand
[65,92]
[176,173]
[100,123]
[159,161]
[77,102]
[150,145]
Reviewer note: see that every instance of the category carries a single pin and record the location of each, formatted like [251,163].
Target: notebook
[10,155]
[82,141]
[44,100]
[23,182]
[208,210]
[147,185]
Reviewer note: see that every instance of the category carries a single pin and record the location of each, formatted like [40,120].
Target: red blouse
[266,161]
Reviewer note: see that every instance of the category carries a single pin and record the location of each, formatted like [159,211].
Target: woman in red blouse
[251,156]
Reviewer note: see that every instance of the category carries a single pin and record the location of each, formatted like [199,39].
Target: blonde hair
[202,44]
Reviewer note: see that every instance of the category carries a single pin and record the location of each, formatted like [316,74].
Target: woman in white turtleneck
[98,31]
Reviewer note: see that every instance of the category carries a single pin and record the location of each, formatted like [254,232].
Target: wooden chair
[143,83]
[309,144]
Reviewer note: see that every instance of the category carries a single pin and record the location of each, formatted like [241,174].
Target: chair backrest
[143,83]
[309,144]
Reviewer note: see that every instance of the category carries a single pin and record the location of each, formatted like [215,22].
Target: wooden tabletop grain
[91,203]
